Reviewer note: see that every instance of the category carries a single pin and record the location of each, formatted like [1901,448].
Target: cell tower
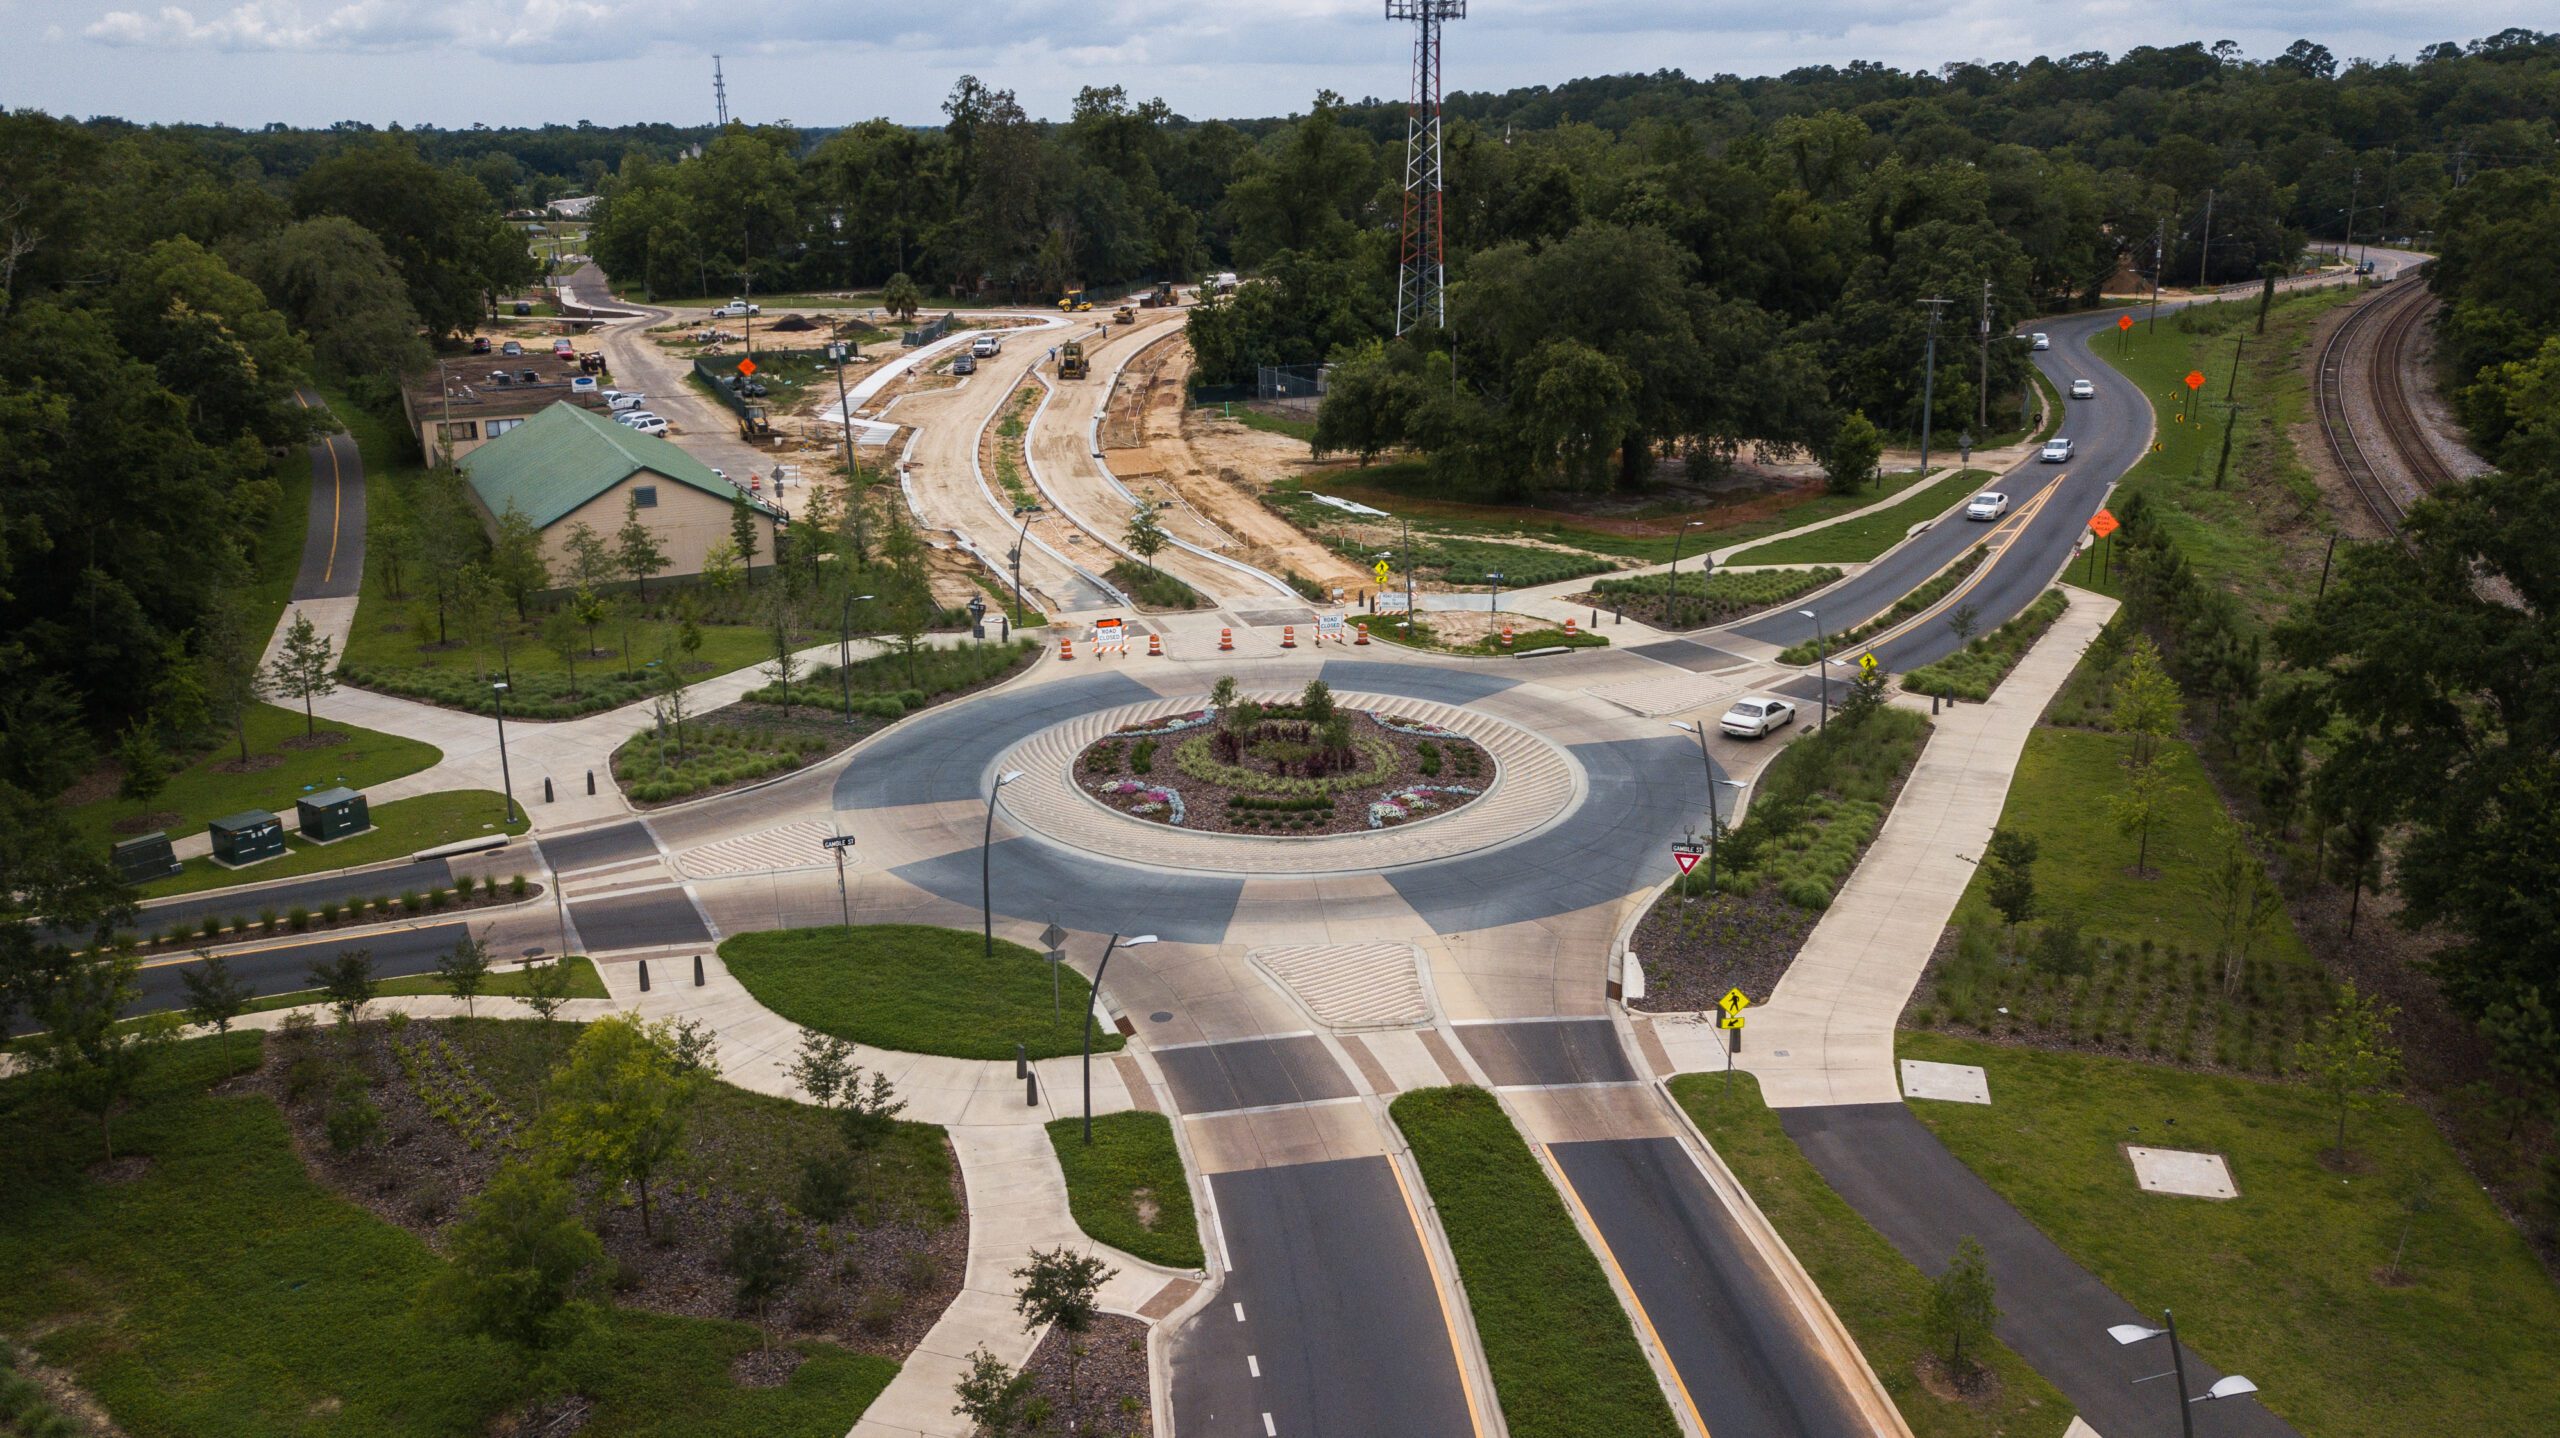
[1423,260]
[719,92]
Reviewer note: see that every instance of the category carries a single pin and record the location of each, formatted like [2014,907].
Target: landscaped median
[1854,541]
[1879,1295]
[1714,599]
[917,989]
[1975,670]
[1916,602]
[1126,1188]
[1562,1349]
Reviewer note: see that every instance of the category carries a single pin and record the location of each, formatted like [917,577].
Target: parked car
[1987,505]
[633,416]
[1758,718]
[2082,389]
[621,403]
[479,344]
[965,364]
[649,424]
[2057,450]
[529,376]
[511,348]
[736,309]
[986,345]
[562,349]
[2041,340]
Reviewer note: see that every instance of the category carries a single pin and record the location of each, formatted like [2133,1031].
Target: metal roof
[565,456]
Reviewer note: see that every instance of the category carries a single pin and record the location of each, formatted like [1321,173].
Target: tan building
[568,466]
[462,404]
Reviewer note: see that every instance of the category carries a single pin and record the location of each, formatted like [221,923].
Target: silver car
[2056,451]
[1758,718]
[1987,505]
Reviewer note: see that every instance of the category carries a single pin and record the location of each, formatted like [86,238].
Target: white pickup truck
[736,309]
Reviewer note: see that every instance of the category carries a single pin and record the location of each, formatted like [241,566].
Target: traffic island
[919,990]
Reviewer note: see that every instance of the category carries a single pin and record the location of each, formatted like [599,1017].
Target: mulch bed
[483,896]
[1692,954]
[1106,770]
[1112,1393]
[420,1170]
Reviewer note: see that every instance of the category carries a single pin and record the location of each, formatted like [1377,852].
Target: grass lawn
[1975,670]
[504,980]
[1419,634]
[1251,418]
[223,1292]
[916,989]
[2282,1282]
[2261,534]
[1859,540]
[276,553]
[1126,1187]
[400,828]
[1877,1292]
[206,789]
[1152,587]
[1563,1352]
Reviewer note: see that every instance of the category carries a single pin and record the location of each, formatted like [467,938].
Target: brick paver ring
[1534,785]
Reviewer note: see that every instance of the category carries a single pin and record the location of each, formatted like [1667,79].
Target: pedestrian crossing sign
[1733,1003]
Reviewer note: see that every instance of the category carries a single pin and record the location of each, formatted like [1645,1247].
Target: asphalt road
[284,897]
[333,538]
[284,968]
[595,848]
[2053,1312]
[652,919]
[1727,1327]
[1563,1051]
[1253,1073]
[1325,1258]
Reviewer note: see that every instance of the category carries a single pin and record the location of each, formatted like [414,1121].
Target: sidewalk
[1825,1034]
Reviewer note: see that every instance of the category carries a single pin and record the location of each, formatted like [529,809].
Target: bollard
[1031,1090]
[1021,1061]
[697,971]
[1933,704]
[1621,613]
[546,788]
[591,781]
[1595,618]
[644,976]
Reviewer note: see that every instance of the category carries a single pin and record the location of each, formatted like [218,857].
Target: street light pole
[1022,536]
[2178,1366]
[499,691]
[1093,1001]
[986,861]
[844,652]
[1821,663]
[2228,1386]
[1715,821]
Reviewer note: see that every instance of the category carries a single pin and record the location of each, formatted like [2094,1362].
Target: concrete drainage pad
[2176,1171]
[1947,1083]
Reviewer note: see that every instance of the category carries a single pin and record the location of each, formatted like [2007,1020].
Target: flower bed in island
[1304,768]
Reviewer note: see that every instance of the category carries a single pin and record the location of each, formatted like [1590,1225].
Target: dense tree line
[1652,264]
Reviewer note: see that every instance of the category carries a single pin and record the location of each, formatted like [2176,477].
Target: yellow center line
[337,496]
[1610,1257]
[1448,1319]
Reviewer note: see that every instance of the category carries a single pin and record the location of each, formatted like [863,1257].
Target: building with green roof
[568,466]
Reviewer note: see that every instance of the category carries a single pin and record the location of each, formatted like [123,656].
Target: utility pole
[2355,180]
[1982,391]
[2159,253]
[2204,252]
[719,93]
[1929,381]
[2230,408]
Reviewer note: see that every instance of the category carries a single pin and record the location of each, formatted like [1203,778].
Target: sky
[456,63]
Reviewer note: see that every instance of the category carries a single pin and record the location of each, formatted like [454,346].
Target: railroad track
[2385,322]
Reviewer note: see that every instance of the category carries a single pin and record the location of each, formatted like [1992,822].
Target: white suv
[1758,718]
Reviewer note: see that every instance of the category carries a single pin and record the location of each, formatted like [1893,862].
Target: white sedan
[2056,451]
[1987,505]
[2082,389]
[1758,718]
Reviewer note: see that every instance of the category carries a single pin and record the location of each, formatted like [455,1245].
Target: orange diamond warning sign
[747,366]
[2102,524]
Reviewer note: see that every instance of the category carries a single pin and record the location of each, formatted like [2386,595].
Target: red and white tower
[1423,262]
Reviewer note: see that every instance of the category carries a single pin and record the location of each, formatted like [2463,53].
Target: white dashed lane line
[1239,1313]
[1268,1430]
[1253,1365]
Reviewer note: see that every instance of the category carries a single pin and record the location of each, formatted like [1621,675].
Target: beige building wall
[687,521]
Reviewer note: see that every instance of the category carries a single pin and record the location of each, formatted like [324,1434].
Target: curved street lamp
[986,863]
[1715,821]
[2231,1386]
[1091,1002]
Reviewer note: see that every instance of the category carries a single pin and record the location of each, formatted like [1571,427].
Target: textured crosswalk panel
[1669,694]
[799,845]
[1352,986]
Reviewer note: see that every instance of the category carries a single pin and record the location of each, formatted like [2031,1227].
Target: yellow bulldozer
[1124,315]
[1071,361]
[1073,301]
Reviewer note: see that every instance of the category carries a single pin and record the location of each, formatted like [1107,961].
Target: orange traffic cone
[1066,646]
[1155,646]
[1569,630]
[1506,636]
[1364,635]
[1288,636]
[1226,640]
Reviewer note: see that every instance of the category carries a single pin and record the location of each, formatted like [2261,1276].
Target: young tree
[992,1395]
[592,560]
[1864,699]
[1146,537]
[145,765]
[1964,621]
[215,996]
[637,553]
[2524,1046]
[1063,1289]
[618,1106]
[521,1268]
[465,970]
[306,667]
[347,981]
[2416,1196]
[493,610]
[2355,856]
[1849,461]
[1961,1308]
[560,636]
[2241,902]
[516,561]
[742,531]
[2350,1054]
[85,1049]
[546,988]
[670,709]
[1222,698]
[866,1109]
[235,676]
[765,1258]
[906,595]
[901,297]
[2008,865]
[720,570]
[786,665]
[1316,701]
[2146,707]
[2137,807]
[692,1046]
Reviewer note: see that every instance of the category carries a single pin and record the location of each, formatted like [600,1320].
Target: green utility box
[146,857]
[247,837]
[331,814]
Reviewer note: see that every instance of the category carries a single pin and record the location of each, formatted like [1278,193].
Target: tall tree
[306,667]
[636,548]
[618,1106]
[516,560]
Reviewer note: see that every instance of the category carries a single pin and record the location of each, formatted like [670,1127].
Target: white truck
[987,345]
[736,309]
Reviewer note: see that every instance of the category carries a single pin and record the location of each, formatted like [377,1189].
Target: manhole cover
[1159,1017]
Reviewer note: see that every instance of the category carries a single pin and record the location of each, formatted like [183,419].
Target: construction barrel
[1226,640]
[1155,646]
[1288,636]
[1066,646]
[1364,635]
[1506,636]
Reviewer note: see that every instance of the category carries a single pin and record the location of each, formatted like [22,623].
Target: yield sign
[1687,859]
[747,366]
[1052,936]
[2102,524]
